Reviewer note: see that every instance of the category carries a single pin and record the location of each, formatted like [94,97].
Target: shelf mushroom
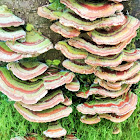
[7,55]
[18,90]
[116,34]
[67,32]
[8,19]
[55,130]
[48,115]
[26,70]
[35,44]
[92,11]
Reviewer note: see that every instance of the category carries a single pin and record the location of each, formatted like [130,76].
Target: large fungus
[26,70]
[58,79]
[71,52]
[73,86]
[49,115]
[116,34]
[18,90]
[8,19]
[120,106]
[7,55]
[102,50]
[92,11]
[50,100]
[55,130]
[11,33]
[70,19]
[35,44]
[78,66]
[113,76]
[67,32]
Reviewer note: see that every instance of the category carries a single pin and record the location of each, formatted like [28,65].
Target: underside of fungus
[92,11]
[49,115]
[35,44]
[26,70]
[8,19]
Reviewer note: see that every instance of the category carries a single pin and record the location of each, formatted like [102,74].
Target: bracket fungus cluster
[29,82]
[97,37]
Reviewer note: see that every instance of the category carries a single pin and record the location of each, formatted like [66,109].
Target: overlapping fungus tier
[96,89]
[73,86]
[78,66]
[12,33]
[8,19]
[117,85]
[48,13]
[131,55]
[18,90]
[113,60]
[105,85]
[119,106]
[7,55]
[113,76]
[92,11]
[58,79]
[55,130]
[70,19]
[123,66]
[102,50]
[116,34]
[35,44]
[117,118]
[104,61]
[49,115]
[90,119]
[71,137]
[50,100]
[70,52]
[67,32]
[26,70]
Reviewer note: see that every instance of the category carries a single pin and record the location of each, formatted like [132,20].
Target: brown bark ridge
[27,10]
